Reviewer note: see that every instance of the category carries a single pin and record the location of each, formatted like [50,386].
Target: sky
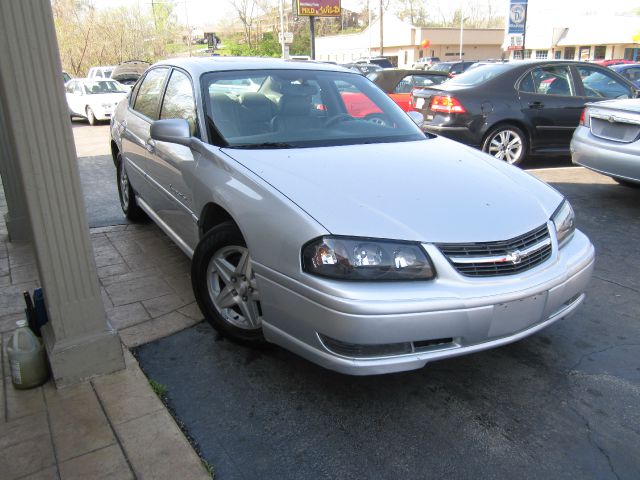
[210,12]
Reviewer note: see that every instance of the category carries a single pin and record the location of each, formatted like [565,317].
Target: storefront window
[632,54]
[557,54]
[527,54]
[517,55]
[599,52]
[541,54]
[570,53]
[585,53]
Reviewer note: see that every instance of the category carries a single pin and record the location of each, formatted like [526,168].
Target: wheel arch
[213,215]
[512,122]
[114,152]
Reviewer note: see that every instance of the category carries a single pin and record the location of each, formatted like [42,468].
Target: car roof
[196,66]
[388,78]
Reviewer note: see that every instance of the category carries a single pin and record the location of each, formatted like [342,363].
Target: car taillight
[446,105]
[584,117]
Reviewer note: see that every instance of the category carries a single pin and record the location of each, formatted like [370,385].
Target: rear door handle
[536,105]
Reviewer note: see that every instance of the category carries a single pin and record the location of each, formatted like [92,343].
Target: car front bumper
[615,159]
[423,321]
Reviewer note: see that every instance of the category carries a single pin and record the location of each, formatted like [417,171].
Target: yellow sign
[636,37]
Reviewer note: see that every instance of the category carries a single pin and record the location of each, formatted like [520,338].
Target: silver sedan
[608,140]
[364,246]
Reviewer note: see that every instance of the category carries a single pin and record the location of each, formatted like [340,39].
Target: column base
[79,360]
[18,228]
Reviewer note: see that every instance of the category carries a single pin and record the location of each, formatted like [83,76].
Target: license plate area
[512,317]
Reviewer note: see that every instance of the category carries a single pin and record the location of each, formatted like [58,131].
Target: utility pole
[284,54]
[312,39]
[381,32]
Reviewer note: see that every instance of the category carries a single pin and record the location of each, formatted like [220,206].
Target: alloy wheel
[232,287]
[506,145]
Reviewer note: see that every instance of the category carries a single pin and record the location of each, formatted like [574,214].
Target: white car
[93,99]
[100,72]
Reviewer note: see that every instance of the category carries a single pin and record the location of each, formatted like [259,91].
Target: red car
[608,63]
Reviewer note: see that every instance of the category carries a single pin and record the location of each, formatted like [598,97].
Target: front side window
[148,97]
[178,100]
[301,108]
[601,83]
[551,80]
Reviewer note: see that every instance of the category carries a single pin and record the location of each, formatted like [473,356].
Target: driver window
[178,100]
[599,83]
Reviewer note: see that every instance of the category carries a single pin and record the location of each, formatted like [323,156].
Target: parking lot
[560,404]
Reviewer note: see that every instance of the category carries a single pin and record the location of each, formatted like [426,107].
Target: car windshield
[477,76]
[103,86]
[300,108]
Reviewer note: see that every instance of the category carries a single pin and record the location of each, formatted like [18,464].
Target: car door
[550,104]
[171,166]
[136,131]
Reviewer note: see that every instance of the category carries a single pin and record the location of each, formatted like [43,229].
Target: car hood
[433,190]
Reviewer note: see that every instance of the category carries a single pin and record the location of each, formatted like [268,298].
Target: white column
[80,342]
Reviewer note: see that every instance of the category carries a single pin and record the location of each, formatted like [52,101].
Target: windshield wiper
[263,145]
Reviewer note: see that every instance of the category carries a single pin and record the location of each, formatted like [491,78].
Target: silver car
[608,139]
[363,246]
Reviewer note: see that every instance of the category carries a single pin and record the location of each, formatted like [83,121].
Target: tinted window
[601,83]
[632,74]
[178,100]
[551,80]
[148,97]
[478,76]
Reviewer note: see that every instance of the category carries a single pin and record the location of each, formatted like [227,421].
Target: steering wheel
[340,117]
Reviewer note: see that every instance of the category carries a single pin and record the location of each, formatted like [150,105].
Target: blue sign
[517,16]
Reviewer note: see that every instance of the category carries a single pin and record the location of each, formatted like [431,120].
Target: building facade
[552,35]
[402,43]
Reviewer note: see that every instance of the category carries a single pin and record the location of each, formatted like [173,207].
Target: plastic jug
[26,358]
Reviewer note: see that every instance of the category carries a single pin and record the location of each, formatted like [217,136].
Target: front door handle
[536,105]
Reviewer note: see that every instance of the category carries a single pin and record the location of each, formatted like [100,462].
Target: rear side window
[149,93]
[178,100]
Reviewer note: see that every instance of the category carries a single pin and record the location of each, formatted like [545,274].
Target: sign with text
[318,8]
[517,16]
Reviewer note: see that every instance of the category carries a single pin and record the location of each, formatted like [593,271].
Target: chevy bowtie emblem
[514,257]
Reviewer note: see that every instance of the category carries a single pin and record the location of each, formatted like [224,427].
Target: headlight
[352,258]
[564,220]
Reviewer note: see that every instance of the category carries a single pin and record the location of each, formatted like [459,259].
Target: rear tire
[127,194]
[224,285]
[507,143]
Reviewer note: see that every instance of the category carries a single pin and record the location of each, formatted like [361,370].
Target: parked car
[380,61]
[451,68]
[630,71]
[611,62]
[423,63]
[608,140]
[100,72]
[362,68]
[94,100]
[365,248]
[66,77]
[399,83]
[512,109]
[128,73]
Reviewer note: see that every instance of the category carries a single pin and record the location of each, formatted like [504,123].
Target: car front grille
[506,257]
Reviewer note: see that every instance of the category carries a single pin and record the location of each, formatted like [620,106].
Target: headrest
[298,89]
[295,105]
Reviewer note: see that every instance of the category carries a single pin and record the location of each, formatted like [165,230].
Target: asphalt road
[561,404]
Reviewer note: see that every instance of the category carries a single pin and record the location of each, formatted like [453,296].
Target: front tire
[91,117]
[127,195]
[507,143]
[225,287]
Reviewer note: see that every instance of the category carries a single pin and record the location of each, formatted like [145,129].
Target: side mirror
[174,130]
[417,118]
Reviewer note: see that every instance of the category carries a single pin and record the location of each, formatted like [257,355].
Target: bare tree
[246,11]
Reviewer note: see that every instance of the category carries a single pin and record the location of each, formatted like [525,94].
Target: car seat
[559,86]
[255,114]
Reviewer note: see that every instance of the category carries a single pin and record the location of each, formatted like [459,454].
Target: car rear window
[478,76]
